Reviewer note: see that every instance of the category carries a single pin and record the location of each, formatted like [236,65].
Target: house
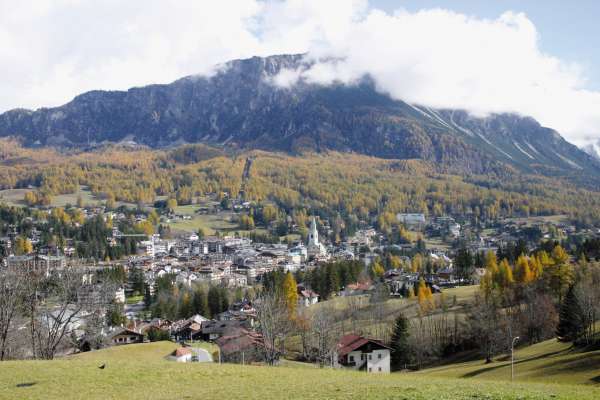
[411,220]
[306,297]
[360,353]
[182,354]
[357,289]
[212,330]
[241,346]
[126,336]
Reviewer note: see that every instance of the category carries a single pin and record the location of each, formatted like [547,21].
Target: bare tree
[273,323]
[588,297]
[303,327]
[11,285]
[325,336]
[486,326]
[60,303]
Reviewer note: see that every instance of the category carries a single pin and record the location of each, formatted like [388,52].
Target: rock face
[241,106]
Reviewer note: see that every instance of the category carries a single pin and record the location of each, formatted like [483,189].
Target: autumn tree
[522,273]
[290,293]
[23,246]
[425,297]
[171,204]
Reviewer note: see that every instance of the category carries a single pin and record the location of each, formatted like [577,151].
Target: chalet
[360,353]
[212,330]
[126,336]
[357,289]
[182,354]
[241,346]
[306,297]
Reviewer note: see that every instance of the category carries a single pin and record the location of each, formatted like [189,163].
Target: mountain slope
[241,106]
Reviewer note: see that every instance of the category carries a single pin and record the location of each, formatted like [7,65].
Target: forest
[344,188]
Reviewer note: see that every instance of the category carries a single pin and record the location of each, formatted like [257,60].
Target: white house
[307,297]
[182,354]
[360,353]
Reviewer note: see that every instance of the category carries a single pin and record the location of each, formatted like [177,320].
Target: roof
[307,293]
[353,342]
[125,331]
[240,340]
[182,351]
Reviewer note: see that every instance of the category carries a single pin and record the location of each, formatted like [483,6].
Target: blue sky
[567,29]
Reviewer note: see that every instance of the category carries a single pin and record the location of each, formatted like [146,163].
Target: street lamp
[512,358]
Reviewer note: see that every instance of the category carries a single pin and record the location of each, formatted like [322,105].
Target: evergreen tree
[214,301]
[401,351]
[464,263]
[200,303]
[224,299]
[571,317]
[185,309]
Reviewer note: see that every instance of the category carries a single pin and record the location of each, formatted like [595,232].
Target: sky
[530,57]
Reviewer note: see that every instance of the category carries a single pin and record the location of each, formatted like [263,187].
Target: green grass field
[142,372]
[15,197]
[210,223]
[549,361]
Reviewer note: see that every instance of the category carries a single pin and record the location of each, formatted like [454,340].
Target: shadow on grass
[581,363]
[26,384]
[517,362]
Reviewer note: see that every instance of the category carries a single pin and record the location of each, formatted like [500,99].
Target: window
[351,358]
[370,357]
[370,369]
[362,357]
[379,369]
[379,356]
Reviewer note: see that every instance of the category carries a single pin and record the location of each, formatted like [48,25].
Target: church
[315,249]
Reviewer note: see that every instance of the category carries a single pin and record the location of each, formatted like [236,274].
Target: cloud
[53,50]
[443,59]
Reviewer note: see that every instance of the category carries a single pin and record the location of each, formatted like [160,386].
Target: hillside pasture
[142,372]
[549,362]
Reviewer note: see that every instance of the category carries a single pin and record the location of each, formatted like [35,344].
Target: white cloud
[53,50]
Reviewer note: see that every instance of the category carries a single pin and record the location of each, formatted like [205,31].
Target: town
[190,287]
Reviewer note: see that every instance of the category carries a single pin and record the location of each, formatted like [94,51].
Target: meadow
[549,361]
[142,372]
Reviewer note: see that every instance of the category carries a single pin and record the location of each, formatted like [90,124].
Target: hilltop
[141,372]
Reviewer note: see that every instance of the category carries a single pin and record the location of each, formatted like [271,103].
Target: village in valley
[206,292]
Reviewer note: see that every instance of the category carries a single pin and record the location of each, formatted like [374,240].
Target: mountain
[593,149]
[240,106]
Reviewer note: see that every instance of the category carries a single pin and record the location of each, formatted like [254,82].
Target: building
[38,262]
[182,354]
[360,353]
[412,220]
[126,336]
[306,297]
[314,248]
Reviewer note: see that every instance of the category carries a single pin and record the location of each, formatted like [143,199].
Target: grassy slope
[549,361]
[141,372]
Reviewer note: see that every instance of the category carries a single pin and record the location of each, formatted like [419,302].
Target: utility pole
[512,359]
